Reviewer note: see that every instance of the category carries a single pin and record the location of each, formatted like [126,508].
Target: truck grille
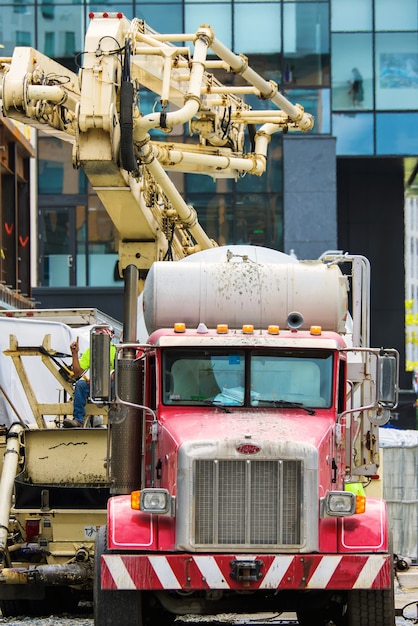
[247,502]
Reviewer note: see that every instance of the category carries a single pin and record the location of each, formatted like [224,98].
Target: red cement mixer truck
[249,419]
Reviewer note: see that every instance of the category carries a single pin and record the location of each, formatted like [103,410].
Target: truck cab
[255,448]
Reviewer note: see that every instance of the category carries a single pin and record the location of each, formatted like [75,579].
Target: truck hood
[264,425]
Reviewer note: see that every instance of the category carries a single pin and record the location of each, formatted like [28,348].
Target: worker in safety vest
[82,386]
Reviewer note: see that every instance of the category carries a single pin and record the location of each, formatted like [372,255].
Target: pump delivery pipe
[10,466]
[192,98]
[268,89]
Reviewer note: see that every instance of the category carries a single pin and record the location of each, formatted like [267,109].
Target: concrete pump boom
[99,111]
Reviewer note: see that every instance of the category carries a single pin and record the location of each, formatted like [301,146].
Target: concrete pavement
[406,592]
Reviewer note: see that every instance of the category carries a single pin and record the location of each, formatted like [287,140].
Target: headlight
[339,503]
[156,501]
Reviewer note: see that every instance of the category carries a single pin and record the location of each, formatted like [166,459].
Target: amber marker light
[179,327]
[360,504]
[273,329]
[222,329]
[248,329]
[316,330]
[135,495]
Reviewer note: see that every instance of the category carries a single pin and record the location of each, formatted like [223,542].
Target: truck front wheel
[113,607]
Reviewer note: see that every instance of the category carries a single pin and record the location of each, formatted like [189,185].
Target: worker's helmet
[106,330]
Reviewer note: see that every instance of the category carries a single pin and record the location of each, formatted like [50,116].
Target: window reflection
[218,15]
[351,15]
[306,44]
[235,377]
[79,242]
[289,378]
[396,70]
[314,101]
[259,17]
[164,18]
[55,169]
[354,133]
[352,56]
[195,376]
[55,247]
[102,245]
[396,133]
[404,17]
[60,30]
[249,211]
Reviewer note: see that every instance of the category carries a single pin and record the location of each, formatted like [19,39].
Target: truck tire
[57,600]
[14,608]
[371,608]
[333,613]
[154,613]
[113,607]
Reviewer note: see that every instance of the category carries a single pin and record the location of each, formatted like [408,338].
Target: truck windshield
[234,377]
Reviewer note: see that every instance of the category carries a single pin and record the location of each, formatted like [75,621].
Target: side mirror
[387,376]
[100,386]
[387,386]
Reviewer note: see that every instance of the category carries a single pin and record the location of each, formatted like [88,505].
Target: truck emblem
[248,448]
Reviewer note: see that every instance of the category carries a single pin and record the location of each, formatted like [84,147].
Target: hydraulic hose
[127,152]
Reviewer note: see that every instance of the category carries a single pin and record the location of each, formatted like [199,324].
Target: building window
[352,15]
[50,44]
[250,18]
[23,38]
[19,6]
[47,9]
[163,17]
[218,15]
[401,16]
[352,70]
[249,211]
[317,102]
[354,133]
[396,133]
[396,71]
[306,55]
[69,49]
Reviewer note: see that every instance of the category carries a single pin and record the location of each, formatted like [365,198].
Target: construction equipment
[244,429]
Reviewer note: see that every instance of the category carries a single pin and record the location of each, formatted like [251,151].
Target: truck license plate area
[246,570]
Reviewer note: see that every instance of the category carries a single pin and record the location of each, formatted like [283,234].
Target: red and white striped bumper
[195,572]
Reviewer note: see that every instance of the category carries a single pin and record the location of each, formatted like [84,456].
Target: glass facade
[374,55]
[353,64]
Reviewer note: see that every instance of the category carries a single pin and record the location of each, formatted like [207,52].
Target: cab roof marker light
[222,329]
[316,330]
[248,329]
[119,15]
[179,327]
[273,329]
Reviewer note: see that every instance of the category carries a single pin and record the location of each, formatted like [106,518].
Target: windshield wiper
[287,404]
[197,401]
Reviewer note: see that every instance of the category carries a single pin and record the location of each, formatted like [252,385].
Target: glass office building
[353,64]
[316,51]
